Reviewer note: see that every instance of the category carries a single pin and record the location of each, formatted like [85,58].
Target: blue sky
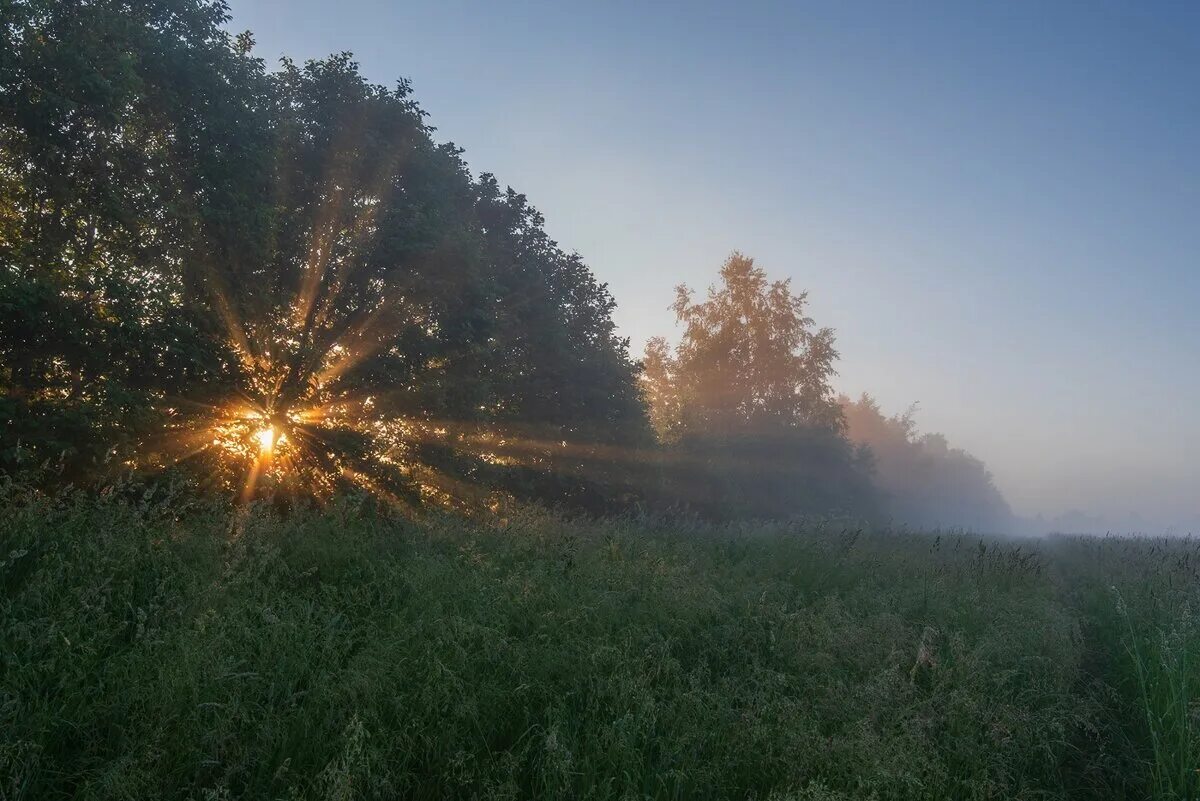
[997,206]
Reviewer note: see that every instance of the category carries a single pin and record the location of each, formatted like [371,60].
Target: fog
[930,483]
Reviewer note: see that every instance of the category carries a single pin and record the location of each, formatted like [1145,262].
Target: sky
[997,206]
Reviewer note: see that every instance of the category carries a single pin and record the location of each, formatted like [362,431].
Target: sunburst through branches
[328,436]
[389,325]
[297,421]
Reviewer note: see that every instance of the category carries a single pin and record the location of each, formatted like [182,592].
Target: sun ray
[296,421]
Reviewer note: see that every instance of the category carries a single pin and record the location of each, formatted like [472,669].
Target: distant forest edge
[200,254]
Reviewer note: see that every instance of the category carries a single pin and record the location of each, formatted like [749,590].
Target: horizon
[930,182]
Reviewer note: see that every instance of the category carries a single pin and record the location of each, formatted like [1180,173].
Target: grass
[148,652]
[1164,666]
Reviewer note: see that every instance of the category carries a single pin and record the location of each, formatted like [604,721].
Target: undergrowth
[152,649]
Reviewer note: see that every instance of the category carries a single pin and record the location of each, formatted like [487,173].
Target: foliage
[192,247]
[927,483]
[131,140]
[343,653]
[745,404]
[749,358]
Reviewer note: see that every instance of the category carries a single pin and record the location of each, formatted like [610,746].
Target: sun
[266,439]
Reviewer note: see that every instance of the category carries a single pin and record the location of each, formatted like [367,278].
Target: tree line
[191,242]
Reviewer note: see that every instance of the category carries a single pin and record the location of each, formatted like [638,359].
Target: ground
[155,647]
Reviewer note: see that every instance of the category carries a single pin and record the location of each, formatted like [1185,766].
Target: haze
[995,207]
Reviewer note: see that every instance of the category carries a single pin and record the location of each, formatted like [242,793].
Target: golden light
[266,439]
[297,421]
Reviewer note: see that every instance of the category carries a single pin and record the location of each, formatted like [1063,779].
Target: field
[153,648]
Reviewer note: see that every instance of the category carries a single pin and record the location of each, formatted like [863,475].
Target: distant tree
[750,357]
[745,403]
[927,483]
[662,392]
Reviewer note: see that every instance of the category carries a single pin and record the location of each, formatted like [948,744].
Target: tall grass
[1138,596]
[151,651]
[1164,663]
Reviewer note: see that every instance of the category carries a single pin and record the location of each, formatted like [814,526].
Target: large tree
[745,402]
[750,357]
[132,137]
[198,255]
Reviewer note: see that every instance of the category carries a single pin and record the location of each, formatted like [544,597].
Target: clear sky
[996,205]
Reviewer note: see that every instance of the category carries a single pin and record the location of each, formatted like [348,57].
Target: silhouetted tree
[181,230]
[133,138]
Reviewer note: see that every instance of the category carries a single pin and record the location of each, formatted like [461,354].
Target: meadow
[154,646]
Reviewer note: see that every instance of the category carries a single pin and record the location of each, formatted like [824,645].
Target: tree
[199,256]
[745,401]
[131,139]
[926,482]
[661,392]
[750,357]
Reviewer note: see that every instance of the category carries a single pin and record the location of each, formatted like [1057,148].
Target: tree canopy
[194,247]
[926,483]
[745,400]
[749,357]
